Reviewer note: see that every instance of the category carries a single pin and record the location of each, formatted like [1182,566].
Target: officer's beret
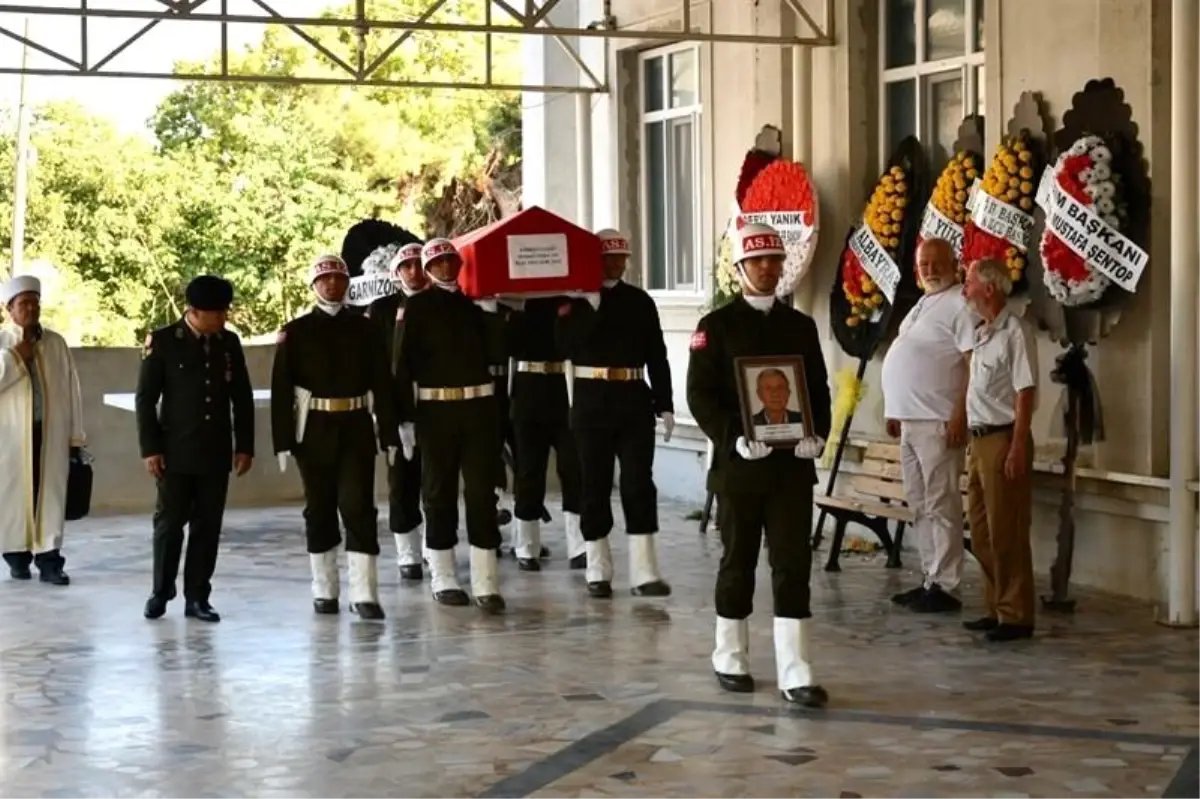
[210,293]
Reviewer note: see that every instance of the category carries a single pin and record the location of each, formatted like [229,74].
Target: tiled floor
[563,696]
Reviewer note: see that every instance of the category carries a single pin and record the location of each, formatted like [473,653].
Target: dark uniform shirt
[734,331]
[443,344]
[335,356]
[624,332]
[537,397]
[385,313]
[198,381]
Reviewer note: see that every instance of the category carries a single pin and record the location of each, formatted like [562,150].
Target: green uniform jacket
[738,330]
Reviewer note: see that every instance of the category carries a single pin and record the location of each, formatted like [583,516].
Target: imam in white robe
[23,527]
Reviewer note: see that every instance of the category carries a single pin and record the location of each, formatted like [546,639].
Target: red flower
[754,162]
[1056,255]
[781,185]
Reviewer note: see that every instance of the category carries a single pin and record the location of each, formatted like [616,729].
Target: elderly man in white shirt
[924,396]
[1000,404]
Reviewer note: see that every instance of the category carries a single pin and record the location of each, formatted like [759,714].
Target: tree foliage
[251,181]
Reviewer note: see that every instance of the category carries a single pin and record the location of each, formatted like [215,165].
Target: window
[932,67]
[671,188]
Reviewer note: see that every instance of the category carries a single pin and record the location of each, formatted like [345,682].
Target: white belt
[542,367]
[616,373]
[456,394]
[498,370]
[338,404]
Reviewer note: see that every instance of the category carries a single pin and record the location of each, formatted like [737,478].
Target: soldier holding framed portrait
[757,387]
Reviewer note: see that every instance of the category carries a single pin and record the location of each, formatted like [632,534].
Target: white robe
[24,528]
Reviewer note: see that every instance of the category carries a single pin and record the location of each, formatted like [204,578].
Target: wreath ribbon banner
[1000,219]
[1090,237]
[936,225]
[875,261]
[790,224]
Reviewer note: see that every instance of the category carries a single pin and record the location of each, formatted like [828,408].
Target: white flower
[1112,220]
[1090,190]
[1106,190]
[1101,171]
[1101,154]
[1105,206]
[1080,147]
[1086,175]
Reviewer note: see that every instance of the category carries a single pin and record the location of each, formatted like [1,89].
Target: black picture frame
[752,369]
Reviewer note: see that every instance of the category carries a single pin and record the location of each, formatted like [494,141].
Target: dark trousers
[198,501]
[600,449]
[342,481]
[51,560]
[459,438]
[534,442]
[404,493]
[786,519]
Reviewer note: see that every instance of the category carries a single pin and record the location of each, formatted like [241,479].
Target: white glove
[668,420]
[810,448]
[408,440]
[391,456]
[489,306]
[516,303]
[283,456]
[593,299]
[751,450]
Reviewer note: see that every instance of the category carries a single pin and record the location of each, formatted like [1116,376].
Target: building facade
[667,142]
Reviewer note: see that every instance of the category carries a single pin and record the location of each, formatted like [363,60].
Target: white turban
[21,284]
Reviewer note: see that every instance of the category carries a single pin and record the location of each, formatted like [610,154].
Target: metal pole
[583,159]
[1185,254]
[21,178]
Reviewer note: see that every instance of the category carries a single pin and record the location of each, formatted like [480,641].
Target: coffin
[531,253]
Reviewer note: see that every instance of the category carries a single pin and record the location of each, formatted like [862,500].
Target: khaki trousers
[1000,510]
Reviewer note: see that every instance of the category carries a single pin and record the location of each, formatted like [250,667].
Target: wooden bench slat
[900,513]
[874,487]
[883,452]
[881,468]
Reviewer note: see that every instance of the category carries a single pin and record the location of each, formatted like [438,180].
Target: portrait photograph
[774,399]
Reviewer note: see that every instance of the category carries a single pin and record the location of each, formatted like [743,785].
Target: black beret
[210,293]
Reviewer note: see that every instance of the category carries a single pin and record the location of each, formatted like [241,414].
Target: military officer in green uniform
[197,370]
[452,411]
[330,372]
[763,490]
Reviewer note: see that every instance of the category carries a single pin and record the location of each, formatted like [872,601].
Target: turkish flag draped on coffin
[533,252]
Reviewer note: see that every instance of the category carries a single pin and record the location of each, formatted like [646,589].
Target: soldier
[540,416]
[615,342]
[443,352]
[762,490]
[330,369]
[197,369]
[404,476]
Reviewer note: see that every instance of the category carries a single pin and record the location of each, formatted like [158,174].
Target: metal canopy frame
[358,70]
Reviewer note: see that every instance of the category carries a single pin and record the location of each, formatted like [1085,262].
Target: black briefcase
[79,485]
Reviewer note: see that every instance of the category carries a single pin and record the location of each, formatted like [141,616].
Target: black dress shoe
[54,577]
[544,553]
[529,565]
[811,696]
[491,603]
[1010,632]
[601,589]
[655,588]
[454,597]
[935,600]
[905,598]
[201,611]
[981,625]
[20,573]
[736,683]
[367,611]
[412,572]
[326,607]
[156,606]
[578,562]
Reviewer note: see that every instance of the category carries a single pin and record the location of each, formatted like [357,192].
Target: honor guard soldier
[763,490]
[196,369]
[330,369]
[404,475]
[614,345]
[448,404]
[497,315]
[540,414]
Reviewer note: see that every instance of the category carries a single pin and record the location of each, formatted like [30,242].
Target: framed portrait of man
[774,399]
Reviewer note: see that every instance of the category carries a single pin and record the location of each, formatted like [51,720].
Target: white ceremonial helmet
[409,252]
[754,240]
[327,264]
[436,248]
[613,242]
[21,284]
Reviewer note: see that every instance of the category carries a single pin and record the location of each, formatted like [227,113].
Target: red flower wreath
[784,186]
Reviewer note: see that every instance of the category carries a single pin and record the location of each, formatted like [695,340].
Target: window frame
[968,68]
[695,114]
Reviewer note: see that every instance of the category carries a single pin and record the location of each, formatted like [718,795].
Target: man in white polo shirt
[924,396]
[1000,404]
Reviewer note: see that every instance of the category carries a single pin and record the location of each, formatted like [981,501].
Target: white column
[1185,295]
[583,158]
